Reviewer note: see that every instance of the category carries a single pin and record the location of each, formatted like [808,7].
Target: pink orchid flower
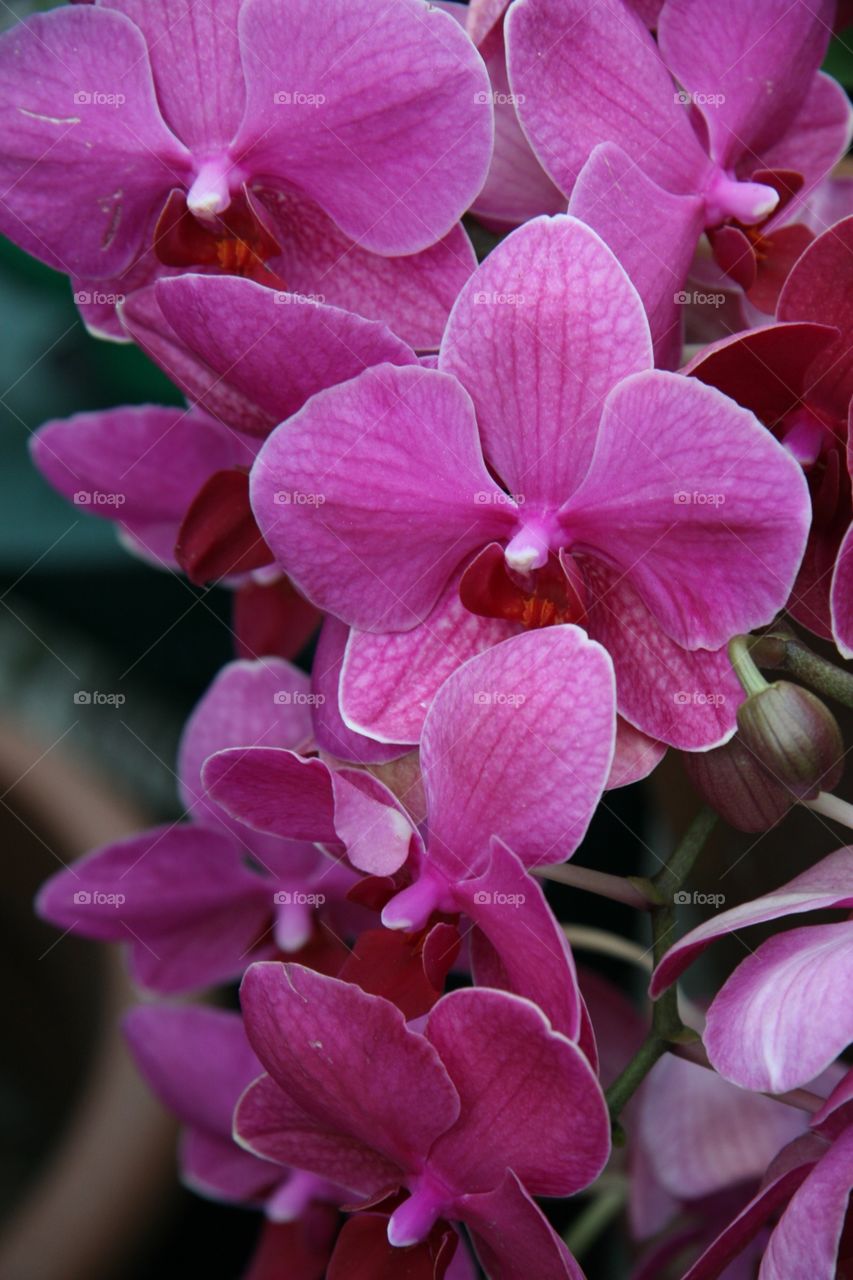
[197,901]
[175,481]
[809,1184]
[198,1062]
[312,146]
[709,129]
[786,1012]
[532,717]
[545,473]
[506,1108]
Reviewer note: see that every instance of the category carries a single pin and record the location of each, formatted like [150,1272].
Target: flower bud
[738,786]
[794,736]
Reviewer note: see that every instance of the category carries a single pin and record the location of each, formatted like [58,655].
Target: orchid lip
[210,193]
[415,1218]
[412,907]
[746,202]
[528,549]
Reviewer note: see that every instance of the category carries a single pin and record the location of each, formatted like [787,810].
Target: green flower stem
[789,653]
[667,1028]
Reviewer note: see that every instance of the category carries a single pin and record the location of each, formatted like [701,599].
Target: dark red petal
[776,254]
[734,254]
[219,535]
[272,620]
[363,1252]
[554,594]
[389,963]
[299,1250]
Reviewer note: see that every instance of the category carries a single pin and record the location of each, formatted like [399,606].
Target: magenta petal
[180,896]
[512,1236]
[720,513]
[635,757]
[331,732]
[140,466]
[198,1062]
[552,309]
[820,288]
[827,884]
[571,64]
[380,114]
[786,1173]
[749,70]
[684,699]
[529,1098]
[271,1124]
[274,791]
[651,231]
[807,1236]
[841,597]
[260,703]
[517,187]
[786,1012]
[518,945]
[531,719]
[195,57]
[388,681]
[371,824]
[817,138]
[411,294]
[318,1038]
[256,356]
[373,494]
[87,156]
[702,1135]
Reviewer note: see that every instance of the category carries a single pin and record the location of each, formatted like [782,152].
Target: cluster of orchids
[527,523]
